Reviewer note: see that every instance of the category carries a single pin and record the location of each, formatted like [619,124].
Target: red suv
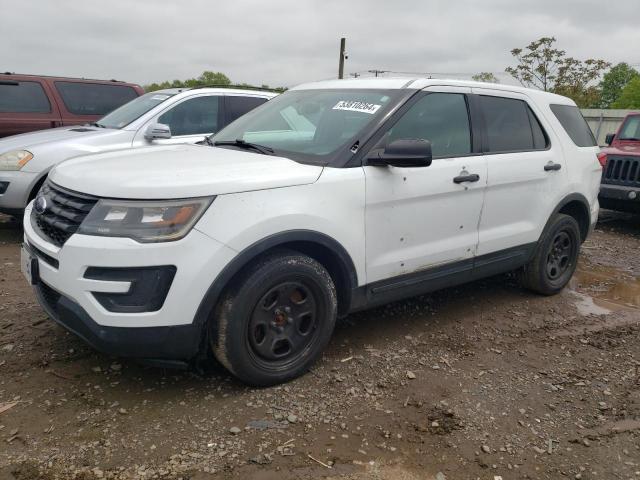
[620,187]
[36,102]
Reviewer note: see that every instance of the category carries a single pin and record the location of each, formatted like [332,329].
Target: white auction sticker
[353,106]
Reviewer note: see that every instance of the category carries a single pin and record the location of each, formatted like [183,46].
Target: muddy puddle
[600,290]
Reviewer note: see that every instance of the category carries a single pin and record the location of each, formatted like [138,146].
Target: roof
[242,91]
[393,83]
[55,77]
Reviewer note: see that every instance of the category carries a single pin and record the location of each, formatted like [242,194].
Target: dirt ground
[484,381]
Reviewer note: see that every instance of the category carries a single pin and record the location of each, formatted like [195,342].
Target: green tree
[541,65]
[485,77]
[630,96]
[614,81]
[538,64]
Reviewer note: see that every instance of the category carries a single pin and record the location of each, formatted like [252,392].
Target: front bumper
[170,332]
[619,197]
[19,186]
[179,343]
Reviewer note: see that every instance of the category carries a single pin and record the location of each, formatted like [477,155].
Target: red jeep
[620,186]
[36,102]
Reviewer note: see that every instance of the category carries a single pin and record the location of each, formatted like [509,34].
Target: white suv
[332,197]
[176,115]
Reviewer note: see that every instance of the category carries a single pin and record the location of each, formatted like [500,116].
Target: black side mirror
[404,152]
[609,138]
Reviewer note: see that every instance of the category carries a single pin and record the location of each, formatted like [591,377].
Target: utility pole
[376,72]
[343,55]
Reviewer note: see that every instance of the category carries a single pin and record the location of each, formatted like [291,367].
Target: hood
[622,147]
[29,140]
[179,171]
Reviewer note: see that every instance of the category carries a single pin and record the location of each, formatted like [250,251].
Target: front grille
[65,211]
[621,170]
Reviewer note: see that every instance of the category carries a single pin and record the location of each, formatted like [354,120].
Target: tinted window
[540,141]
[93,98]
[23,97]
[442,119]
[509,126]
[630,129]
[238,106]
[191,117]
[574,124]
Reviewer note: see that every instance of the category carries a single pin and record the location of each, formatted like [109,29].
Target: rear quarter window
[94,98]
[574,124]
[23,97]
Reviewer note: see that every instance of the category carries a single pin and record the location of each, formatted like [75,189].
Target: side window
[441,118]
[235,107]
[511,125]
[198,115]
[93,98]
[23,97]
[574,124]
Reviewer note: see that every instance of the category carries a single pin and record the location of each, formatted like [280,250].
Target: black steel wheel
[275,319]
[556,257]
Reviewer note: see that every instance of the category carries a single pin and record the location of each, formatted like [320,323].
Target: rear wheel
[556,257]
[275,319]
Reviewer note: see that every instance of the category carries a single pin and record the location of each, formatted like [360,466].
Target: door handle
[469,177]
[549,167]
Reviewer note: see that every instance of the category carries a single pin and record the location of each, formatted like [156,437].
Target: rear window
[23,97]
[238,106]
[511,125]
[574,124]
[94,98]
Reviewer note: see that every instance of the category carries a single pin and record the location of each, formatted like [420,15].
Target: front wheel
[275,320]
[556,257]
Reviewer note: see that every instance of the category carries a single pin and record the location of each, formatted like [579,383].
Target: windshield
[127,113]
[310,125]
[631,129]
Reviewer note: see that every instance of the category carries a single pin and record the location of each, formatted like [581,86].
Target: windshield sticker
[160,97]
[352,106]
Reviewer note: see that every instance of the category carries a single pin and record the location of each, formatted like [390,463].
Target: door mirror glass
[157,131]
[609,138]
[404,152]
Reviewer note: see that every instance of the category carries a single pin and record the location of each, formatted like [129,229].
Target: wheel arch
[576,206]
[326,250]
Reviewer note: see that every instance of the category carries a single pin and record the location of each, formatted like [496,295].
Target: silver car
[158,118]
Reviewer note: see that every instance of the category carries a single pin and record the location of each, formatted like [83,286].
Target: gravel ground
[483,381]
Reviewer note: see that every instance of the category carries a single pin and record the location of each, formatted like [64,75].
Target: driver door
[420,218]
[190,120]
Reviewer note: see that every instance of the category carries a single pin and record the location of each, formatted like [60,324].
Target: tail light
[602,158]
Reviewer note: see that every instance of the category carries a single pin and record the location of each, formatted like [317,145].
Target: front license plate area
[29,266]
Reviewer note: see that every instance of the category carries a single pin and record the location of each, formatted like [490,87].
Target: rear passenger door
[25,106]
[236,106]
[526,171]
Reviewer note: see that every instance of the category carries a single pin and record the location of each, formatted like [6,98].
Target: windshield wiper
[247,145]
[630,138]
[96,124]
[207,141]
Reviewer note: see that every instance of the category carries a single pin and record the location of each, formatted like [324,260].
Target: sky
[288,42]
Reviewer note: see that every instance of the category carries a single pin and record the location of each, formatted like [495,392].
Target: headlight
[144,221]
[14,160]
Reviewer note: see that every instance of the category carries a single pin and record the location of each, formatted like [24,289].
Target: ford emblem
[40,205]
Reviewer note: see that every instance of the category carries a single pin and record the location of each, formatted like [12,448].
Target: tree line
[591,83]
[206,78]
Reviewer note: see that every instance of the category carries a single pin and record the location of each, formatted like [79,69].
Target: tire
[275,319]
[556,257]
